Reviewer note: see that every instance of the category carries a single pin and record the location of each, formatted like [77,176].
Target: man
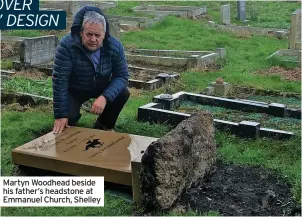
[89,63]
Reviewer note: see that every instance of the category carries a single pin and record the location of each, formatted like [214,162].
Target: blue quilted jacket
[74,71]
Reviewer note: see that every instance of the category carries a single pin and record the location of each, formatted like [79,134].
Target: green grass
[23,33]
[243,55]
[19,84]
[289,101]
[6,64]
[260,13]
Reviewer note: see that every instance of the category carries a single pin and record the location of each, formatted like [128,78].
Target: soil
[7,50]
[246,92]
[141,74]
[158,67]
[32,73]
[208,68]
[239,191]
[146,74]
[287,74]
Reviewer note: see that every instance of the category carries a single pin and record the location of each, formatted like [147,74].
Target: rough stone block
[171,164]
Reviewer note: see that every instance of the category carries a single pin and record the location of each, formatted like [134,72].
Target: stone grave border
[247,29]
[166,10]
[175,58]
[159,111]
[143,22]
[287,52]
[21,98]
[162,78]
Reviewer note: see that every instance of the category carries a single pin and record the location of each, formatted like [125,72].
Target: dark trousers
[107,119]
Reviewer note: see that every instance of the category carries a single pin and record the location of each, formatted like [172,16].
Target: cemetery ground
[245,65]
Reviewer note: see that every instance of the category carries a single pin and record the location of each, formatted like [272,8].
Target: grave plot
[166,10]
[292,100]
[221,88]
[164,110]
[176,59]
[293,53]
[225,23]
[149,79]
[128,23]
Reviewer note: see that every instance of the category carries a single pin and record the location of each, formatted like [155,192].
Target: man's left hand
[99,105]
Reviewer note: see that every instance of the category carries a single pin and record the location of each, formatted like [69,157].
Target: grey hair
[93,17]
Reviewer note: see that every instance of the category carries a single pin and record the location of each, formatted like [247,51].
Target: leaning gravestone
[85,152]
[225,14]
[37,50]
[171,164]
[241,10]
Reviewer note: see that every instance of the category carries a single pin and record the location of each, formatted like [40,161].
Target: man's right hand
[60,124]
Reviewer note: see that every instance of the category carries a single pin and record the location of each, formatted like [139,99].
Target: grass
[260,13]
[244,55]
[6,64]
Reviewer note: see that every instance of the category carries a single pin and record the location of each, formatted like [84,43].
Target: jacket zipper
[90,62]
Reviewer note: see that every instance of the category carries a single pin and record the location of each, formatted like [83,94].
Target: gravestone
[37,50]
[85,152]
[77,5]
[295,31]
[241,10]
[225,14]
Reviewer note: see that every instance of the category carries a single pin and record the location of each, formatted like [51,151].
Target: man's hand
[99,105]
[59,125]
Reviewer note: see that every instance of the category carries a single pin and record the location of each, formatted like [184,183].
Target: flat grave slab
[85,152]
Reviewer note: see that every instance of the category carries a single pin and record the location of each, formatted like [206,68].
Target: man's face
[92,36]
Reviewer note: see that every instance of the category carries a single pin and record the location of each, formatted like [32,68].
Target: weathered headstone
[77,5]
[241,10]
[171,164]
[85,152]
[295,31]
[225,14]
[114,28]
[37,50]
